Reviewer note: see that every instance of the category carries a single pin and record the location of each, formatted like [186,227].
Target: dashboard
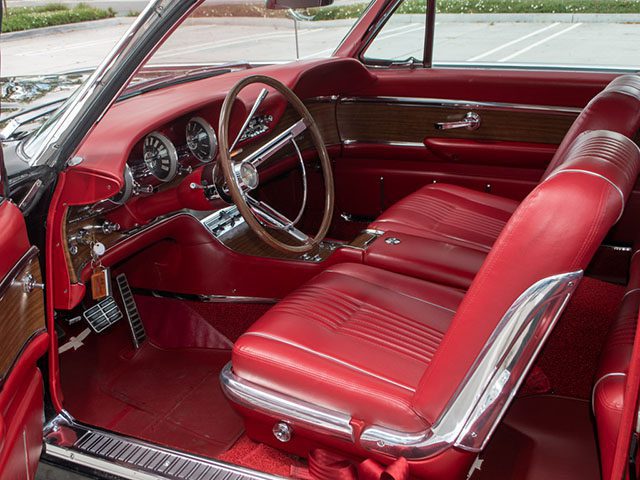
[158,152]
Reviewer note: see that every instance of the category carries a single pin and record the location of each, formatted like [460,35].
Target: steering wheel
[242,177]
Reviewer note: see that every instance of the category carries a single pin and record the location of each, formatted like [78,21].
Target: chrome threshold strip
[124,457]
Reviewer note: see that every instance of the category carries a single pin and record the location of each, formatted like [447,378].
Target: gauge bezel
[126,192]
[211,134]
[173,156]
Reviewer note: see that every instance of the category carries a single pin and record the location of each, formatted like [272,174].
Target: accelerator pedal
[103,314]
[138,333]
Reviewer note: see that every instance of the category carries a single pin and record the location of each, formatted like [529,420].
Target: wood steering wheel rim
[227,165]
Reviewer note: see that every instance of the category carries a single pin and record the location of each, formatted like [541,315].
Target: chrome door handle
[471,121]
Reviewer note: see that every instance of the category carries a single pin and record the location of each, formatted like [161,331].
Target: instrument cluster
[165,154]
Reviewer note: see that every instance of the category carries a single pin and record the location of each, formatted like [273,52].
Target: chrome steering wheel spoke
[242,175]
[266,151]
[270,217]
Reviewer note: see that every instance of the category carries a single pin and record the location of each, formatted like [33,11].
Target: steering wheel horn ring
[242,177]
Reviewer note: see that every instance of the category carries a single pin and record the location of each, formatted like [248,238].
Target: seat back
[616,108]
[611,376]
[523,286]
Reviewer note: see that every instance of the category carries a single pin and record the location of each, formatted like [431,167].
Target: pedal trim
[103,314]
[138,333]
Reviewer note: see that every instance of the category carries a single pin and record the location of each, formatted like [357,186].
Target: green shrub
[489,6]
[26,18]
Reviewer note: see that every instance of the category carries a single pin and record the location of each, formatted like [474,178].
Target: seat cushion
[355,339]
[449,213]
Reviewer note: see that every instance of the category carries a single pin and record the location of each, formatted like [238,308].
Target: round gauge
[201,139]
[124,195]
[160,156]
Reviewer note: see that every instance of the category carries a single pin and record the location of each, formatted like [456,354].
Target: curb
[70,27]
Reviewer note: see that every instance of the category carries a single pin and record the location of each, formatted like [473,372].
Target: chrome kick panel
[124,457]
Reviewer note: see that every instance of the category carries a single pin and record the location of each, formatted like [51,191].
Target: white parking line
[512,42]
[408,30]
[538,43]
[234,41]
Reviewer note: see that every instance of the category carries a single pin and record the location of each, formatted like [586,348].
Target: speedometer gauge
[160,156]
[201,139]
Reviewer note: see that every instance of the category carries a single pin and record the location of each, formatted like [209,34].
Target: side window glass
[401,39]
[565,35]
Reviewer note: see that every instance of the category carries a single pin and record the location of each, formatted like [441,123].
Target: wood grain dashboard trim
[411,121]
[22,314]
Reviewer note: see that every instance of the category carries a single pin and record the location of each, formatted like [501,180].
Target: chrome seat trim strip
[473,412]
[476,409]
[286,408]
[623,201]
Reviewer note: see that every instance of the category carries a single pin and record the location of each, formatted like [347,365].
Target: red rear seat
[608,391]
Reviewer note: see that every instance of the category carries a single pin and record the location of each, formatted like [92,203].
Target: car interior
[281,264]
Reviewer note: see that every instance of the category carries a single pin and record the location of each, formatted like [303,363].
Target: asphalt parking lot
[273,40]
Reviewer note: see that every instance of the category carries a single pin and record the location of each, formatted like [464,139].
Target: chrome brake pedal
[103,314]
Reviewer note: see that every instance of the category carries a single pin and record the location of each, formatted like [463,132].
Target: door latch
[471,121]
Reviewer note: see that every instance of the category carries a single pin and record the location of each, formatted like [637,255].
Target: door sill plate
[98,450]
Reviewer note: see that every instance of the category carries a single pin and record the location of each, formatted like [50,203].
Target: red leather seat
[455,215]
[608,390]
[473,219]
[378,365]
[349,312]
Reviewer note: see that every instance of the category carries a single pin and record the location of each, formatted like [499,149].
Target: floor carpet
[167,396]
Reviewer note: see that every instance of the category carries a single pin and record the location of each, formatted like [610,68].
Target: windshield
[213,40]
[252,33]
[245,34]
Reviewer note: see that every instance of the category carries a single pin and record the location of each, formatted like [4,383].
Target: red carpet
[570,357]
[167,396]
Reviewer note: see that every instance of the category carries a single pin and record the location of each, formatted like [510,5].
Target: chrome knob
[282,431]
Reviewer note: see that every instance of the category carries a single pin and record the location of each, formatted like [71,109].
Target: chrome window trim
[476,409]
[286,408]
[464,104]
[373,32]
[353,26]
[87,105]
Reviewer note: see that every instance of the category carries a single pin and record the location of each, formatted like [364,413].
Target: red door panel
[23,341]
[392,150]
